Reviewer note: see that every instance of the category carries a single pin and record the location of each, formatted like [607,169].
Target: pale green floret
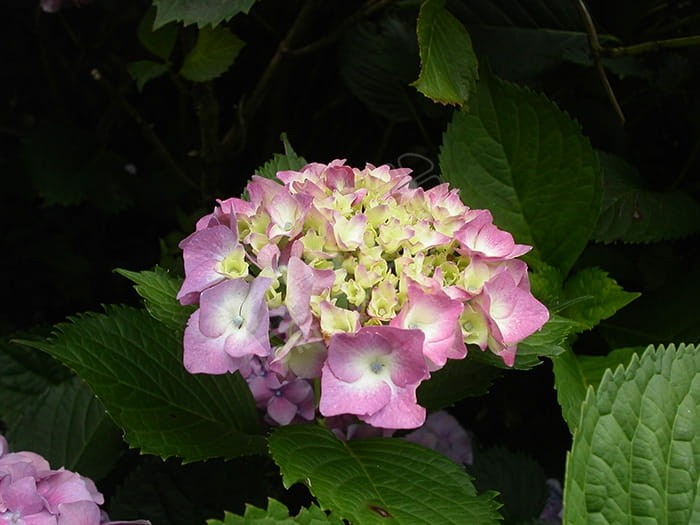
[355,293]
[234,265]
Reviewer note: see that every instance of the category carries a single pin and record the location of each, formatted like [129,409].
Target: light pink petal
[64,486]
[202,253]
[303,282]
[221,306]
[281,410]
[515,312]
[350,355]
[22,496]
[437,316]
[79,513]
[403,411]
[360,397]
[297,391]
[40,518]
[204,354]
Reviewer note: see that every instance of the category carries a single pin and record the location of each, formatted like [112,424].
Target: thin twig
[649,47]
[366,10]
[596,48]
[256,97]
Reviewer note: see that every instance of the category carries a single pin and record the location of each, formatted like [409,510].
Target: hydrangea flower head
[352,280]
[31,493]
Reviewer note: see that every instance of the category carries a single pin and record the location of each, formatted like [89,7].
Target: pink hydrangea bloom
[374,374]
[31,493]
[348,256]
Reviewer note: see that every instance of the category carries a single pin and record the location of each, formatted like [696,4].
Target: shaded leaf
[158,289]
[69,427]
[519,480]
[636,453]
[594,296]
[160,41]
[214,52]
[25,373]
[289,160]
[573,374]
[170,493]
[384,480]
[200,12]
[449,68]
[143,71]
[632,213]
[378,61]
[134,365]
[516,154]
[277,514]
[458,379]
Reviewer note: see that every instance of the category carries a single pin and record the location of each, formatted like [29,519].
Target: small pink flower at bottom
[373,374]
[443,433]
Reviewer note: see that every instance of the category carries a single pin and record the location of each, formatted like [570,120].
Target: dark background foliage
[98,174]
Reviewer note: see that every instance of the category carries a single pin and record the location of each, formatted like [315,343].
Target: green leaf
[289,160]
[516,154]
[158,289]
[573,374]
[632,213]
[161,41]
[385,480]
[635,456]
[458,379]
[214,52]
[143,71]
[594,297]
[449,68]
[134,365]
[519,480]
[200,12]
[277,514]
[25,373]
[68,425]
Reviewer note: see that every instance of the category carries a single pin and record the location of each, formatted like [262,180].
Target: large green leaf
[633,213]
[594,296]
[277,514]
[449,67]
[25,373]
[158,289]
[516,154]
[383,480]
[635,457]
[573,374]
[134,365]
[68,425]
[214,52]
[200,12]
